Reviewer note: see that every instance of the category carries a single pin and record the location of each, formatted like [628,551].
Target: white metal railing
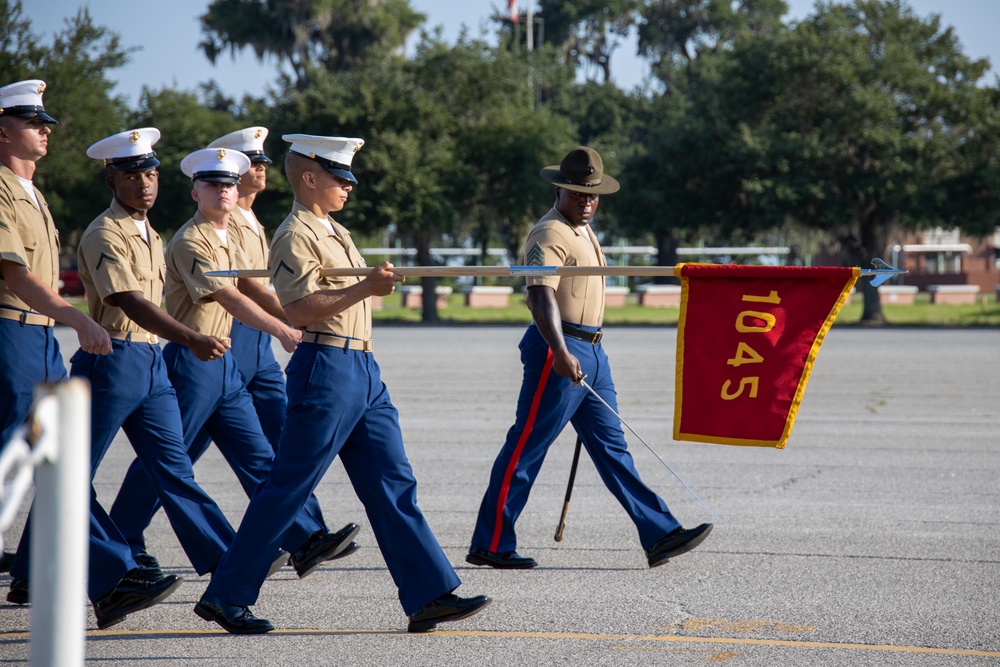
[54,448]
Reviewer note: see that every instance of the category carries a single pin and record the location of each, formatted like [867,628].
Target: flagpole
[880,274]
[581,381]
[531,26]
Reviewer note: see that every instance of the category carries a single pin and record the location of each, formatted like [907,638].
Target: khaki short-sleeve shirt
[28,236]
[194,249]
[300,248]
[253,240]
[114,257]
[555,242]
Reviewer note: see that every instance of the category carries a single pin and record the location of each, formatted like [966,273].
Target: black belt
[592,337]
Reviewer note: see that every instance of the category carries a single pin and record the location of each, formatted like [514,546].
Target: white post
[60,526]
[531,25]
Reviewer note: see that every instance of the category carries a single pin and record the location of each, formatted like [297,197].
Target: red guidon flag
[747,339]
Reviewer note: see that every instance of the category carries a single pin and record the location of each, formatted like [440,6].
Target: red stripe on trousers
[512,465]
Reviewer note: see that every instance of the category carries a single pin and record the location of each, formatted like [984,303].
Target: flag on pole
[747,339]
[512,10]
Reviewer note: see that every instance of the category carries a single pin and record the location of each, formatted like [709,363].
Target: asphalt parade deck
[873,539]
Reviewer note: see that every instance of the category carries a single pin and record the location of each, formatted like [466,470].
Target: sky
[169,32]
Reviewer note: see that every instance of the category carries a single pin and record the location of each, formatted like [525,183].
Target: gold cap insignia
[357,148]
[259,132]
[134,136]
[312,156]
[221,154]
[41,87]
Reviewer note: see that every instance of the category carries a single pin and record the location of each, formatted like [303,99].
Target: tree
[877,121]
[587,32]
[338,35]
[453,143]
[687,182]
[75,69]
[673,34]
[186,124]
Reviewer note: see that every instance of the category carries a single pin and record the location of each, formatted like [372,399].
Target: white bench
[953,294]
[413,296]
[659,295]
[486,296]
[897,295]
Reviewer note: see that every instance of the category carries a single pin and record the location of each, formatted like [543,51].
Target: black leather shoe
[507,560]
[446,608]
[6,561]
[324,546]
[678,542]
[147,560]
[133,593]
[280,561]
[234,619]
[18,593]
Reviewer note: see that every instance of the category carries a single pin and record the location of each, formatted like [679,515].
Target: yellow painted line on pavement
[733,641]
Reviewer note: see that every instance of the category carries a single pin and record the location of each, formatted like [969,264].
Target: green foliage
[75,68]
[873,120]
[338,35]
[588,32]
[452,139]
[860,119]
[186,124]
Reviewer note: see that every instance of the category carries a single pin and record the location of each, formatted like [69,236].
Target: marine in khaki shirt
[309,243]
[122,264]
[340,406]
[208,304]
[122,267]
[27,236]
[560,350]
[557,241]
[29,242]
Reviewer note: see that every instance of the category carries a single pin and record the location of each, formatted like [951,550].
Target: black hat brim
[217,177]
[32,114]
[340,173]
[136,165]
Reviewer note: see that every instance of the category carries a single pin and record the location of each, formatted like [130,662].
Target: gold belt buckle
[368,345]
[598,335]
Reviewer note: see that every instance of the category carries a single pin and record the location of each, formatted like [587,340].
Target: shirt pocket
[144,274]
[31,241]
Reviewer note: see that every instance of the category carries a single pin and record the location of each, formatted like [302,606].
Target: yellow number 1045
[746,354]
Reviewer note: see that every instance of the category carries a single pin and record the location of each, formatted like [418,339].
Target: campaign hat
[582,170]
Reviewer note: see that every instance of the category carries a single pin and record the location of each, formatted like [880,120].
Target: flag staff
[879,274]
[531,26]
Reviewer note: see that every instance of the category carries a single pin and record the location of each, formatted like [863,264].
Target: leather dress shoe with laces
[507,560]
[6,561]
[677,542]
[18,593]
[448,607]
[138,590]
[324,546]
[234,619]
